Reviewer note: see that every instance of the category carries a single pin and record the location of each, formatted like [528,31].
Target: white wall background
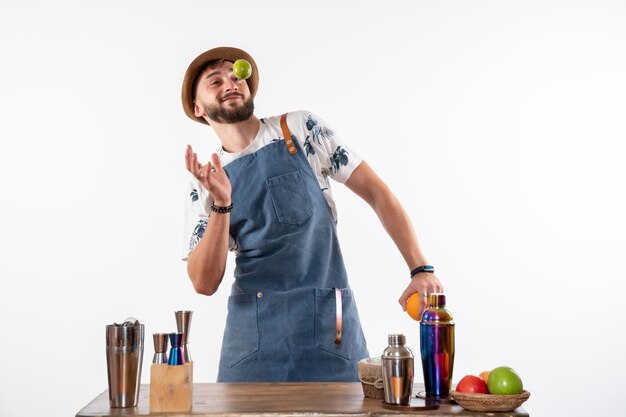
[499,124]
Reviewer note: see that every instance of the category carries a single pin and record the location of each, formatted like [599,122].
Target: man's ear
[197,110]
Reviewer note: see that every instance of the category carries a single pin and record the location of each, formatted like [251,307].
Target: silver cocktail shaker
[124,350]
[397,371]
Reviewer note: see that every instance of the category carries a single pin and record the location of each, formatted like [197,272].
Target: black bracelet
[424,268]
[221,209]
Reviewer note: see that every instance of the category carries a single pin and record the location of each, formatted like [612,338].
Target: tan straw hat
[225,53]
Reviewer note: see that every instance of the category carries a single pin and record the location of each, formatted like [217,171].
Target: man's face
[222,96]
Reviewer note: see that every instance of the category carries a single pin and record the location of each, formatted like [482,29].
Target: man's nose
[231,85]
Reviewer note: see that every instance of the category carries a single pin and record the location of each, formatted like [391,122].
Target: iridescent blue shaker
[437,347]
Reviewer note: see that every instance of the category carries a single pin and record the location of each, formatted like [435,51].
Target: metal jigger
[160,347]
[183,323]
[176,354]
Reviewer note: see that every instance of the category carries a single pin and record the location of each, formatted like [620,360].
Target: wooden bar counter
[285,399]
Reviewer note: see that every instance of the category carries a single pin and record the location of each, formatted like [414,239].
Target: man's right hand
[212,176]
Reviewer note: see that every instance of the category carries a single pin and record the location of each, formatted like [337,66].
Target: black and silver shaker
[124,351]
[397,371]
[160,347]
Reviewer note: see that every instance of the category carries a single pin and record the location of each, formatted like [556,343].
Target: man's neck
[235,137]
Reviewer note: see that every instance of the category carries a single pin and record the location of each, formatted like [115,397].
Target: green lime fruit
[504,381]
[242,69]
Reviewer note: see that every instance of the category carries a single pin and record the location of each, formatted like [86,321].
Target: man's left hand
[423,283]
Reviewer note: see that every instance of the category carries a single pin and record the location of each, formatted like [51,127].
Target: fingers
[204,174]
[197,169]
[405,296]
[194,165]
[217,163]
[437,287]
[422,283]
[188,153]
[426,283]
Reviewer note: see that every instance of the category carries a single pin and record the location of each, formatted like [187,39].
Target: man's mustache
[227,96]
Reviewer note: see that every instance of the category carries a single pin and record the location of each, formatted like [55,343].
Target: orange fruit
[484,375]
[413,306]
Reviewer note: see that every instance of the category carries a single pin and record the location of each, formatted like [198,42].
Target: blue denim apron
[281,322]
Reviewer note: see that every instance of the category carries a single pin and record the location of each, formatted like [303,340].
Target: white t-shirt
[324,149]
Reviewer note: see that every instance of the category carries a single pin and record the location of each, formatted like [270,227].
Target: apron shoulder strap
[291,148]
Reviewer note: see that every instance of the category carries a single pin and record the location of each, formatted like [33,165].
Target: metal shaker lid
[129,333]
[437,300]
[436,313]
[396,340]
[397,348]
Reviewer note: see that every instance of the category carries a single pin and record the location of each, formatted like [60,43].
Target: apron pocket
[290,198]
[326,323]
[241,335]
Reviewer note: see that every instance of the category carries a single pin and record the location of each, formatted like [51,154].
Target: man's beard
[236,115]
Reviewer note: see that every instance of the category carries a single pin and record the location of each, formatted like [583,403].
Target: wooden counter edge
[99,406]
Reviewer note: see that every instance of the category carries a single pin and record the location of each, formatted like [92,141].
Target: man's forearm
[367,185]
[207,262]
[398,225]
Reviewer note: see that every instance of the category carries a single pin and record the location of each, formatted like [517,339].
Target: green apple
[504,381]
[242,69]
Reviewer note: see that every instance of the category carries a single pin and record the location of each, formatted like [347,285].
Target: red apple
[472,384]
